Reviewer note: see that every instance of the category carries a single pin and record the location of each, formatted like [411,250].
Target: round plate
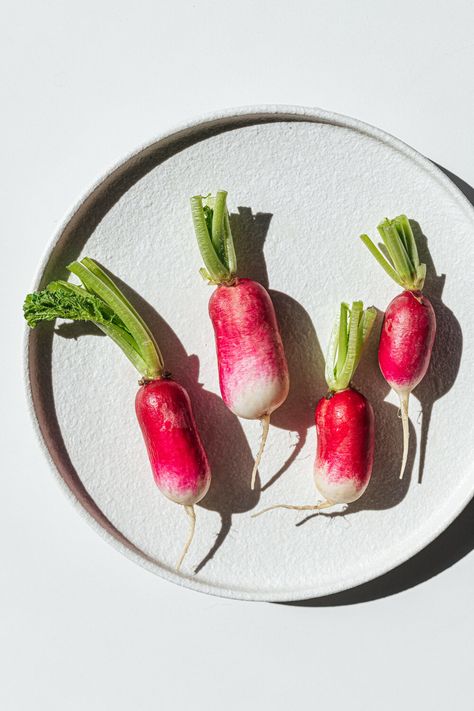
[302,184]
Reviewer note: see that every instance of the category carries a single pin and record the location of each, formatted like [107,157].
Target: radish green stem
[230,255]
[342,340]
[349,335]
[107,281]
[96,284]
[99,300]
[116,331]
[217,207]
[403,265]
[381,259]
[214,237]
[192,525]
[402,225]
[396,249]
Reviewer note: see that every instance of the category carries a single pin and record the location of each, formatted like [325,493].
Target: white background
[82,85]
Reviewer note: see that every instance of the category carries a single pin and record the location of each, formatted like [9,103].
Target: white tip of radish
[265,420]
[404,397]
[311,507]
[192,517]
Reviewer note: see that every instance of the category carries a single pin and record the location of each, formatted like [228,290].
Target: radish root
[316,507]
[406,430]
[265,420]
[192,518]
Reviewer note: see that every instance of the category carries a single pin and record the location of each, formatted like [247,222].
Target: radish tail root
[265,420]
[316,507]
[192,518]
[406,430]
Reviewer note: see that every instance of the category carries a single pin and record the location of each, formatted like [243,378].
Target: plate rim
[311,114]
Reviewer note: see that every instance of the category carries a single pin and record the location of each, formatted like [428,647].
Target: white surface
[82,627]
[322,180]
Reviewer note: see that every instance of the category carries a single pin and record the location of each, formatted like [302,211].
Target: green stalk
[218,209]
[100,301]
[396,249]
[349,336]
[107,281]
[384,263]
[344,375]
[115,328]
[229,249]
[342,340]
[402,225]
[403,265]
[214,237]
[119,304]
[128,346]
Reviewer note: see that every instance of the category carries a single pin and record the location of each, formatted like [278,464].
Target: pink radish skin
[163,408]
[344,418]
[177,457]
[409,326]
[253,373]
[406,342]
[345,449]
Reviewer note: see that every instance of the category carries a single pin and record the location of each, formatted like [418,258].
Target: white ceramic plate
[302,185]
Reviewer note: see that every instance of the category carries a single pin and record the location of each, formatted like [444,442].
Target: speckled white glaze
[324,178]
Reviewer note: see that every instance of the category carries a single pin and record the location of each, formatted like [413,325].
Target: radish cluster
[252,367]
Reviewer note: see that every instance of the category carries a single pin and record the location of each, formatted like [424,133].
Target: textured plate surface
[302,185]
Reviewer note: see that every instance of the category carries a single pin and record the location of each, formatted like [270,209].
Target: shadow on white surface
[458,539]
[230,493]
[229,454]
[303,352]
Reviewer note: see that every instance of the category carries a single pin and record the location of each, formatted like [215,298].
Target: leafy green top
[58,300]
[214,237]
[349,335]
[403,264]
[99,300]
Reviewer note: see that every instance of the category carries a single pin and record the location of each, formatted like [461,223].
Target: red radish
[409,325]
[176,454]
[163,407]
[252,367]
[344,417]
[345,453]
[253,373]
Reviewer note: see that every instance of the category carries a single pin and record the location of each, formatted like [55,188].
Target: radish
[409,326]
[344,417]
[253,372]
[163,408]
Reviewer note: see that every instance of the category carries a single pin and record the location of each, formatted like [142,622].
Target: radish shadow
[40,349]
[307,382]
[385,489]
[77,329]
[224,440]
[302,349]
[457,540]
[447,348]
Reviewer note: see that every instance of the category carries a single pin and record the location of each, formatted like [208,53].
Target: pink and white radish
[253,373]
[409,325]
[344,417]
[163,408]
